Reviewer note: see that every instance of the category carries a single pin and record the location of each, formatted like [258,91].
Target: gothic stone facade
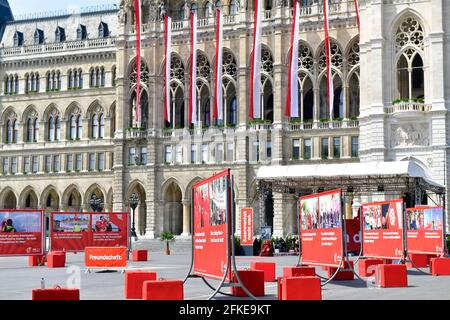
[67,104]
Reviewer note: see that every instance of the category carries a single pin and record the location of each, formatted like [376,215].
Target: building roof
[69,20]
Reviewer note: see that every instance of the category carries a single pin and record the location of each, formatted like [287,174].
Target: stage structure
[404,179]
[212,222]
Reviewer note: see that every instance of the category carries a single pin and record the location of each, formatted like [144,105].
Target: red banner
[99,257]
[211,226]
[74,231]
[321,228]
[21,232]
[353,228]
[247,226]
[383,229]
[425,231]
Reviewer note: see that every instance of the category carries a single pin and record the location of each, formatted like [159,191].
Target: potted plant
[168,237]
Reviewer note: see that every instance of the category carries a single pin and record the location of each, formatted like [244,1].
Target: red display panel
[321,228]
[383,232]
[247,226]
[425,230]
[74,231]
[211,225]
[21,232]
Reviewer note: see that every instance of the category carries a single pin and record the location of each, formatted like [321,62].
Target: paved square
[18,280]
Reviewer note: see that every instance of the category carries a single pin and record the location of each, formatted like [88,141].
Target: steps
[156,245]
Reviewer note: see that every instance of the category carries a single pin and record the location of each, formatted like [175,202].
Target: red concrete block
[392,275]
[440,266]
[253,280]
[367,267]
[280,287]
[417,260]
[134,281]
[163,290]
[139,255]
[56,259]
[301,288]
[301,271]
[34,261]
[268,268]
[342,275]
[55,294]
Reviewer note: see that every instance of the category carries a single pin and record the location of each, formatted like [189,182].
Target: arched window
[409,44]
[101,133]
[37,80]
[94,132]
[81,32]
[103,31]
[30,130]
[208,10]
[97,77]
[58,80]
[16,84]
[58,129]
[36,130]
[102,76]
[79,127]
[70,79]
[353,86]
[92,78]
[73,127]
[233,7]
[80,78]
[51,129]
[10,131]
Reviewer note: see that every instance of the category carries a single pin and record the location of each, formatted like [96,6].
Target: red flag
[255,71]
[193,118]
[357,15]
[328,59]
[137,4]
[292,94]
[168,54]
[218,94]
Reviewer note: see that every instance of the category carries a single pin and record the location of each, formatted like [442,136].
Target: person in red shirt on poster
[101,225]
[421,221]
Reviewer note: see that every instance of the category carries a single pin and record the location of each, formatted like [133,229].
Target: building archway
[98,191]
[141,210]
[28,199]
[72,200]
[9,200]
[173,208]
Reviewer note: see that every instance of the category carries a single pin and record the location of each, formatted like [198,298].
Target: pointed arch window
[30,130]
[94,133]
[60,35]
[18,39]
[73,127]
[103,30]
[79,127]
[81,32]
[101,132]
[51,129]
[38,36]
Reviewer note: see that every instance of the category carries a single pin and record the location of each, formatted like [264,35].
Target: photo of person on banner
[309,213]
[330,211]
[102,223]
[433,219]
[71,223]
[20,221]
[372,217]
[218,201]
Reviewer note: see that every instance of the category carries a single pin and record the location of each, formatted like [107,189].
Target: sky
[20,7]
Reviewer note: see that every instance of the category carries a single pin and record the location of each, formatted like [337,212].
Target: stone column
[278,214]
[186,219]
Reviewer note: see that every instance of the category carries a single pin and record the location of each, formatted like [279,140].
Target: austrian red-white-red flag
[328,59]
[137,5]
[255,68]
[218,92]
[193,71]
[292,94]
[357,15]
[168,55]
